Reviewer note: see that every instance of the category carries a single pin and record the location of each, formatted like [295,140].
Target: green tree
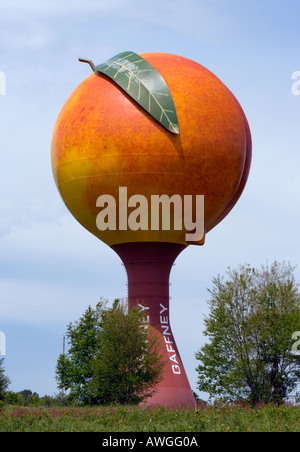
[74,371]
[128,363]
[253,315]
[29,397]
[111,358]
[4,380]
[14,398]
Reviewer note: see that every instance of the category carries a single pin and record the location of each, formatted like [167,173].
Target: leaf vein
[120,65]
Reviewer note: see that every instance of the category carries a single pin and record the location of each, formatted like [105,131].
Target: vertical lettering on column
[166,331]
[146,319]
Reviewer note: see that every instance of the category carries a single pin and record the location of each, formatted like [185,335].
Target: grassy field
[138,419]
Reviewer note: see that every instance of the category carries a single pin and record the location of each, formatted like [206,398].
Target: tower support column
[148,266]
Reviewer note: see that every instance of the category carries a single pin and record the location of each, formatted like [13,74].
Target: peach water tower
[149,153]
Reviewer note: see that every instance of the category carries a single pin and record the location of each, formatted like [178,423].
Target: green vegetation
[269,418]
[112,358]
[248,367]
[253,316]
[4,383]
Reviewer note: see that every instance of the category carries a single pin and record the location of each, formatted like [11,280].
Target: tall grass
[141,419]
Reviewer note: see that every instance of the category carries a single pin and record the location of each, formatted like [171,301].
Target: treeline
[29,398]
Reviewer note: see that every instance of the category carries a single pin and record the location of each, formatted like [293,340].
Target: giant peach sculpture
[143,130]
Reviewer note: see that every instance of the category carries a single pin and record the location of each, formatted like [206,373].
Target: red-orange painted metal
[148,266]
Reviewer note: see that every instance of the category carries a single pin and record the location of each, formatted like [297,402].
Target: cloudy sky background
[51,268]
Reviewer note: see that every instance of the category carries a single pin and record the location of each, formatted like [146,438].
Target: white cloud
[189,17]
[18,10]
[43,304]
[36,25]
[41,237]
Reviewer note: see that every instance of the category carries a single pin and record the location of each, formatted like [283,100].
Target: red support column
[148,267]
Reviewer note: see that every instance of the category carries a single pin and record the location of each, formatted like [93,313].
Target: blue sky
[51,268]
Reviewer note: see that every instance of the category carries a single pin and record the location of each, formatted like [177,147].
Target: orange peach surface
[104,140]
